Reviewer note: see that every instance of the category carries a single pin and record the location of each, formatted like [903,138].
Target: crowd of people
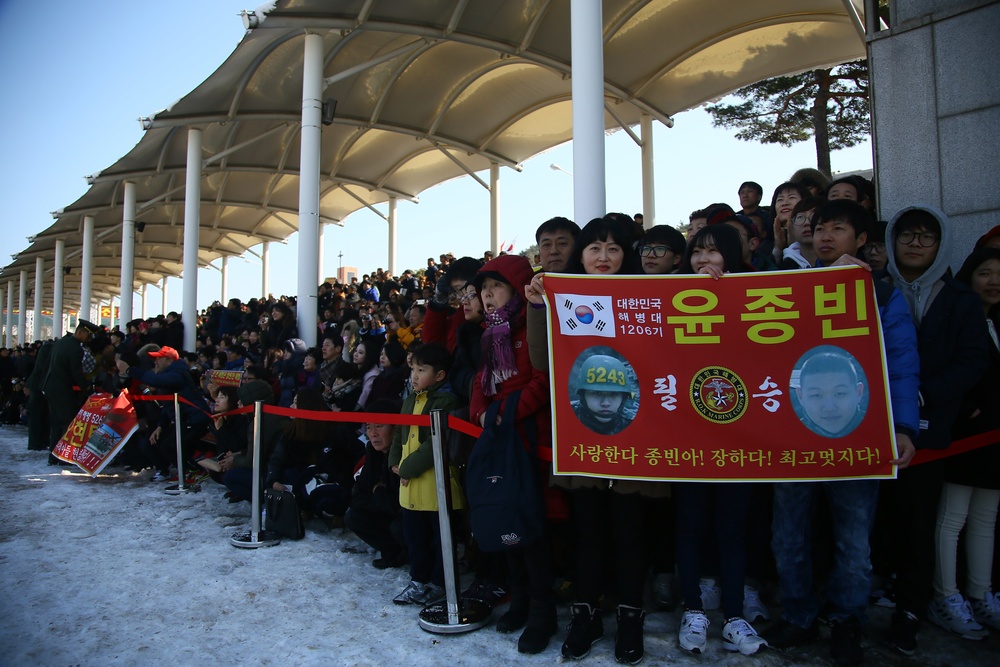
[465,334]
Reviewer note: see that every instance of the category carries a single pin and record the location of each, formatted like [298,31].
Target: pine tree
[830,105]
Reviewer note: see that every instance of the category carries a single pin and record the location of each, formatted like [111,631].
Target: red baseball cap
[166,351]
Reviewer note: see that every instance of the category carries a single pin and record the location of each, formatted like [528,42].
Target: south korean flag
[585,315]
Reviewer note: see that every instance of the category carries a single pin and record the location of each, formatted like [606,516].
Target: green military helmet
[604,373]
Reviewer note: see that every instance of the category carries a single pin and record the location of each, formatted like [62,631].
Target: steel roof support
[265,270]
[58,278]
[9,319]
[648,193]
[163,296]
[225,279]
[128,252]
[495,208]
[87,272]
[311,137]
[192,223]
[392,234]
[36,324]
[587,50]
[22,309]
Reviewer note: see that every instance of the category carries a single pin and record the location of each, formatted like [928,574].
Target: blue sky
[78,75]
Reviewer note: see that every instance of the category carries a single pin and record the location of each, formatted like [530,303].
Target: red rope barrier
[468,428]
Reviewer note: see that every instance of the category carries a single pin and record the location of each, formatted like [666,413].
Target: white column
[58,278]
[587,53]
[36,329]
[4,314]
[128,254]
[87,273]
[265,271]
[22,309]
[142,297]
[495,208]
[192,224]
[648,194]
[9,319]
[392,234]
[163,297]
[311,140]
[319,258]
[225,279]
[112,320]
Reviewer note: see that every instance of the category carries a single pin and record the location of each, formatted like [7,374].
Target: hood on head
[940,266]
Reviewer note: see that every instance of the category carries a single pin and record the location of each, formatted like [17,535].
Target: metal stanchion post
[452,616]
[256,536]
[180,488]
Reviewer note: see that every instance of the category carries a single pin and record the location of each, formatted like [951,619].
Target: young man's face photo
[830,400]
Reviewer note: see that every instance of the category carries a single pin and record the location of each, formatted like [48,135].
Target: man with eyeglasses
[662,250]
[953,344]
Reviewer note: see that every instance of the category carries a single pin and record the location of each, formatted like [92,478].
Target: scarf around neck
[498,351]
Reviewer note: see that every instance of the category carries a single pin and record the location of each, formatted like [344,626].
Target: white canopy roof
[426,91]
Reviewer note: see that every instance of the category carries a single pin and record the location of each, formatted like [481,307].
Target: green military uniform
[65,373]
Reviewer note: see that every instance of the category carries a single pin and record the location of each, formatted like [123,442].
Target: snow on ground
[111,571]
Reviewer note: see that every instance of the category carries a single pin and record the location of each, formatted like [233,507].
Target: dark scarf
[498,351]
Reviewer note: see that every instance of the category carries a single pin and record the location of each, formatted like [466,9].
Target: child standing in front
[411,458]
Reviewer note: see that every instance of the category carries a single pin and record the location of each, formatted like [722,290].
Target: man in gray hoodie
[953,344]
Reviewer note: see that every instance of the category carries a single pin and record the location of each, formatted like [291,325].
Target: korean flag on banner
[585,315]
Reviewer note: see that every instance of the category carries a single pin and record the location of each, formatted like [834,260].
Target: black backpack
[506,506]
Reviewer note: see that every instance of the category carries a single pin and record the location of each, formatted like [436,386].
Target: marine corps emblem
[719,395]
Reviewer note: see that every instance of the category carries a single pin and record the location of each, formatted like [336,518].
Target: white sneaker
[693,635]
[738,635]
[663,591]
[711,595]
[954,614]
[753,608]
[987,610]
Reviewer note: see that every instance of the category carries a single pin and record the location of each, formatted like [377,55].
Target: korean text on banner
[757,376]
[98,432]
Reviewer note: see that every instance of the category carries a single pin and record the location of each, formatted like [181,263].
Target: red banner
[756,376]
[98,432]
[226,378]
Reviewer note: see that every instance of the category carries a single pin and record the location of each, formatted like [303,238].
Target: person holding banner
[839,232]
[602,514]
[65,384]
[719,508]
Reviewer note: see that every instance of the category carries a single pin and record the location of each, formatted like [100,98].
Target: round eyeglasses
[925,239]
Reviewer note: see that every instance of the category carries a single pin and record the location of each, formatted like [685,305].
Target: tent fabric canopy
[425,92]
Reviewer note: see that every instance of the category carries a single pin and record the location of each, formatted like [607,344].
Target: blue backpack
[506,505]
